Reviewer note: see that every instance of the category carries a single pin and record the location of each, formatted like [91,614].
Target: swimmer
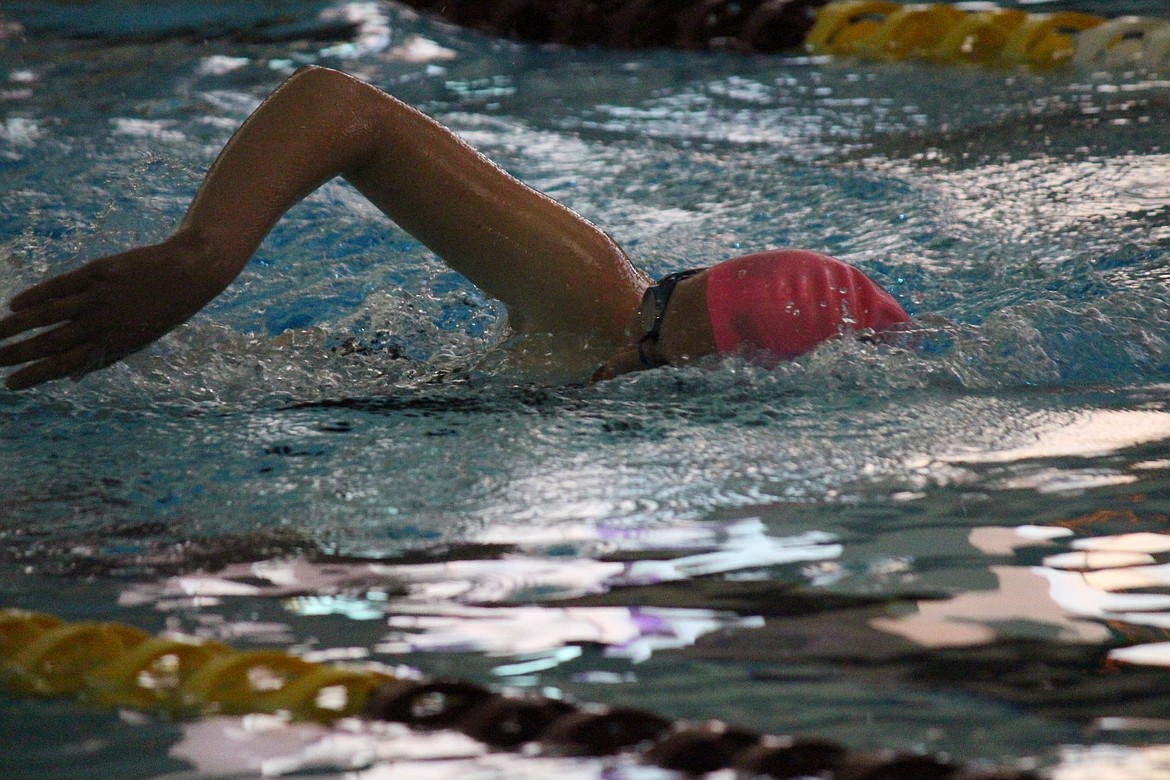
[562,280]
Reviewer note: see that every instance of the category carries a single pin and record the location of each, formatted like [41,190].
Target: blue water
[349,400]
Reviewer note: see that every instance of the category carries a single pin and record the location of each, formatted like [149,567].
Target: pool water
[952,544]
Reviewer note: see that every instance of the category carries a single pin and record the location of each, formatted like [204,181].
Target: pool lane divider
[997,37]
[883,30]
[113,665]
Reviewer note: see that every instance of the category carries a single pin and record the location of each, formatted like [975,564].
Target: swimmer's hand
[106,310]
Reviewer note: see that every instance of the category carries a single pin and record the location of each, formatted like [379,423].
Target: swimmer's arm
[553,269]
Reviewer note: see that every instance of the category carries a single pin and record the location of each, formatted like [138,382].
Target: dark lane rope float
[116,665]
[764,26]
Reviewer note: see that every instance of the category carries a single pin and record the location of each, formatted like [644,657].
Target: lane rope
[116,665]
[883,30]
[942,33]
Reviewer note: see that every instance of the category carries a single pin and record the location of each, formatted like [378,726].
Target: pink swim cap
[789,300]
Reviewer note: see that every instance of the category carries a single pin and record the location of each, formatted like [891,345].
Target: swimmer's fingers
[46,345]
[63,286]
[109,308]
[43,314]
[74,363]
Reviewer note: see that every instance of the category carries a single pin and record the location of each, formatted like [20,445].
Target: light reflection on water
[267,747]
[907,495]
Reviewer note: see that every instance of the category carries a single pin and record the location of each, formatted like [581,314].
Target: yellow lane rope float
[1047,40]
[942,33]
[909,32]
[977,38]
[1124,41]
[842,28]
[114,665]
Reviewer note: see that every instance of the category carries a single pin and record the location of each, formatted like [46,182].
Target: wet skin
[555,272]
[685,335]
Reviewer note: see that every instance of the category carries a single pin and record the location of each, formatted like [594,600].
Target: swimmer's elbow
[340,111]
[324,84]
[317,73]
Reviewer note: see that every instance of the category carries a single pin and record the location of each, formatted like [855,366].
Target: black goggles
[651,312]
